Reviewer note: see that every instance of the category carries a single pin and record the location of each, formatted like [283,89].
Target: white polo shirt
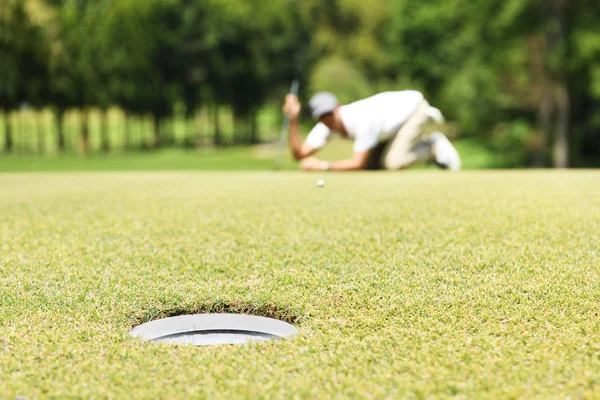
[371,120]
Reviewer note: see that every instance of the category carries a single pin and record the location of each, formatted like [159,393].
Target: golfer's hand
[292,106]
[311,164]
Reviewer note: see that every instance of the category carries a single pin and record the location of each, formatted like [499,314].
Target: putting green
[417,284]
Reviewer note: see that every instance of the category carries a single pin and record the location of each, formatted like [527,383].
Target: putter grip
[295,86]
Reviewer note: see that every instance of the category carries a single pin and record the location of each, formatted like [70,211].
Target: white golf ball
[320,183]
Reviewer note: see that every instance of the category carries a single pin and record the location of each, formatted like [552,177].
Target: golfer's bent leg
[402,151]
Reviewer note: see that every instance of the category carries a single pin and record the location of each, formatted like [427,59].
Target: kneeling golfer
[386,129]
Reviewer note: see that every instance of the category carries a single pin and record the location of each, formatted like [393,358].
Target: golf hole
[213,329]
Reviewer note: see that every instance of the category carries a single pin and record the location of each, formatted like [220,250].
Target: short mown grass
[403,285]
[474,155]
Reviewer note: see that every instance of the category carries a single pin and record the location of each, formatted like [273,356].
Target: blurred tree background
[520,76]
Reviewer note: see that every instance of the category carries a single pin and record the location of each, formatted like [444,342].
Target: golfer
[387,130]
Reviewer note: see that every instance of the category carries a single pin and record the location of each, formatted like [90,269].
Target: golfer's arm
[359,161]
[299,148]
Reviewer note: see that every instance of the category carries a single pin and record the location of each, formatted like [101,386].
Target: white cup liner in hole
[214,329]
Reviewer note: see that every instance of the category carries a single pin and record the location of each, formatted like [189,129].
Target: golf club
[284,127]
[286,121]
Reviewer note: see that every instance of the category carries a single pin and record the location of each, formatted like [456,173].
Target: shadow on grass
[262,309]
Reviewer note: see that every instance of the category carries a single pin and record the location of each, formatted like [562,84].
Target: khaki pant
[408,146]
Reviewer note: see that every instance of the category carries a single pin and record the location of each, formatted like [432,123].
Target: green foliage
[349,29]
[339,76]
[23,55]
[485,63]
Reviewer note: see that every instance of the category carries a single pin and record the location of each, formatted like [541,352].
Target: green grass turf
[474,156]
[239,158]
[417,284]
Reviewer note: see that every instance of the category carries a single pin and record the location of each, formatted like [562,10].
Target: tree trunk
[557,27]
[542,95]
[190,134]
[545,112]
[207,126]
[254,129]
[140,135]
[156,126]
[41,142]
[217,127]
[104,132]
[237,129]
[8,137]
[198,128]
[143,131]
[561,132]
[127,133]
[189,131]
[59,116]
[85,132]
[172,124]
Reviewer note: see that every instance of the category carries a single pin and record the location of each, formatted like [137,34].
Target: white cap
[322,103]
